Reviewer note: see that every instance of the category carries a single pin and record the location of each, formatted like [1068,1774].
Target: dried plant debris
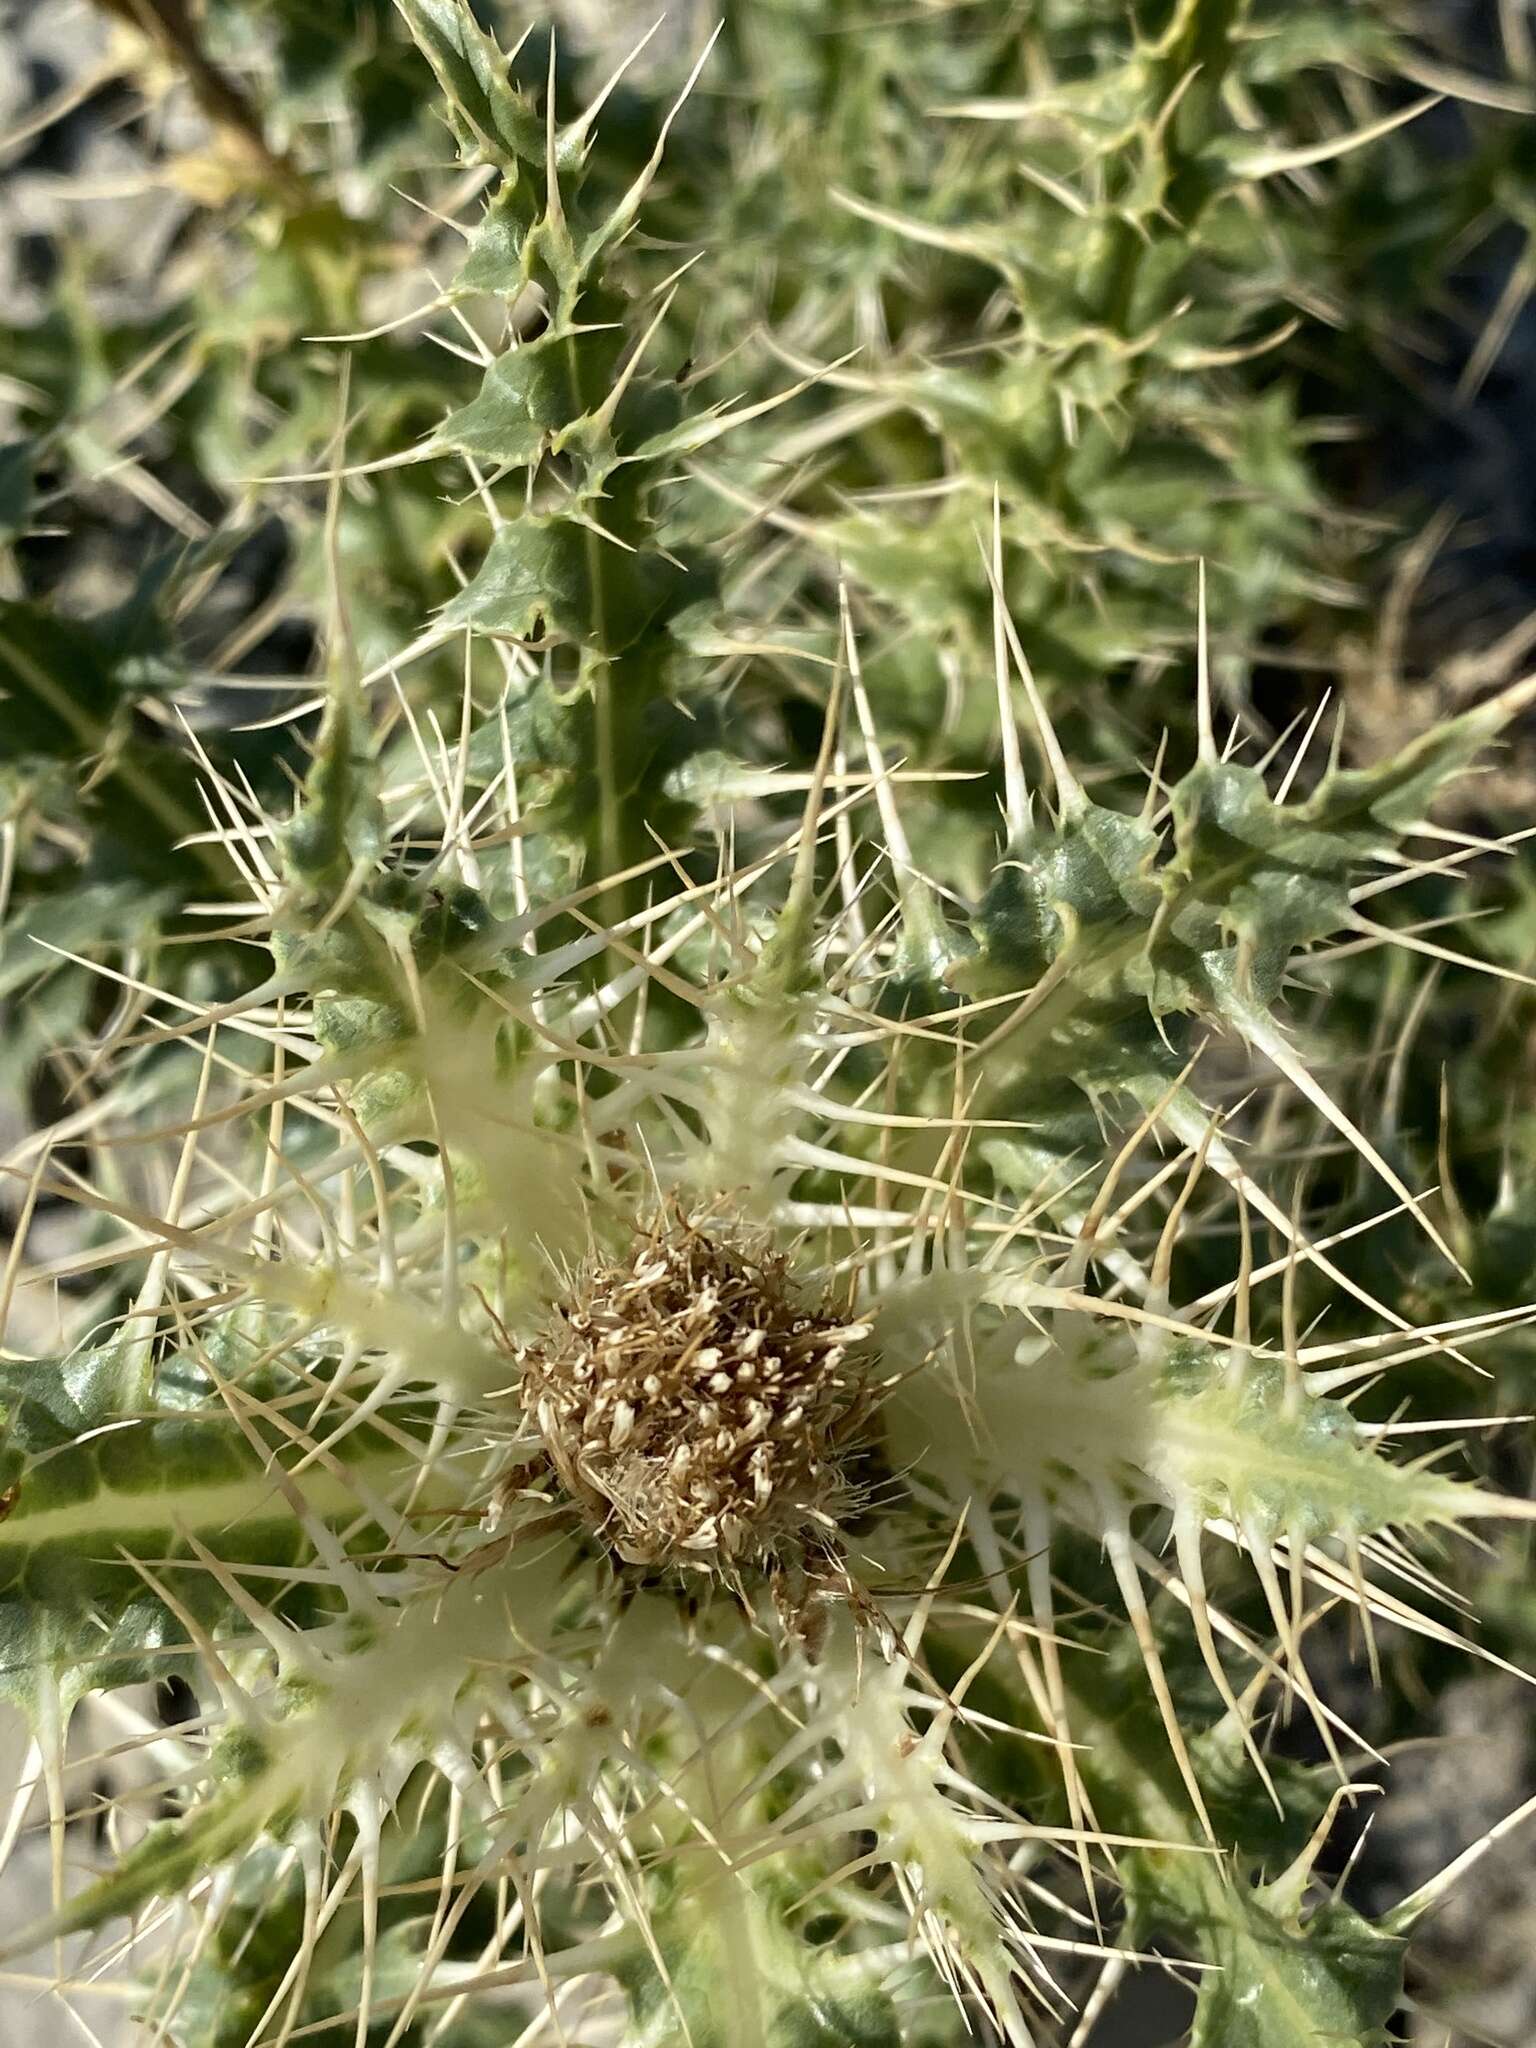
[697,1403]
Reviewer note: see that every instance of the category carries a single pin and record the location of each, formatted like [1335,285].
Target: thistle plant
[728,1434]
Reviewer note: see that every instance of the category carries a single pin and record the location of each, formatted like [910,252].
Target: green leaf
[547,574]
[1254,881]
[1287,1976]
[495,262]
[530,393]
[535,578]
[96,1479]
[490,117]
[1062,884]
[1329,1976]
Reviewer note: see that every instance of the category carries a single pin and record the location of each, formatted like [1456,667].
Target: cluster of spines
[897,1771]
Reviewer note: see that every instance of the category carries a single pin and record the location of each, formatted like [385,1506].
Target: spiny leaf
[92,1488]
[530,393]
[1330,1975]
[548,576]
[492,119]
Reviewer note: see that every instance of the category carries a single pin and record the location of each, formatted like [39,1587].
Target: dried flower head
[697,1404]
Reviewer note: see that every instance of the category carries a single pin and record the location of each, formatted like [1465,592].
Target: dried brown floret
[697,1404]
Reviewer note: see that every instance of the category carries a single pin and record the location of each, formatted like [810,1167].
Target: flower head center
[698,1404]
